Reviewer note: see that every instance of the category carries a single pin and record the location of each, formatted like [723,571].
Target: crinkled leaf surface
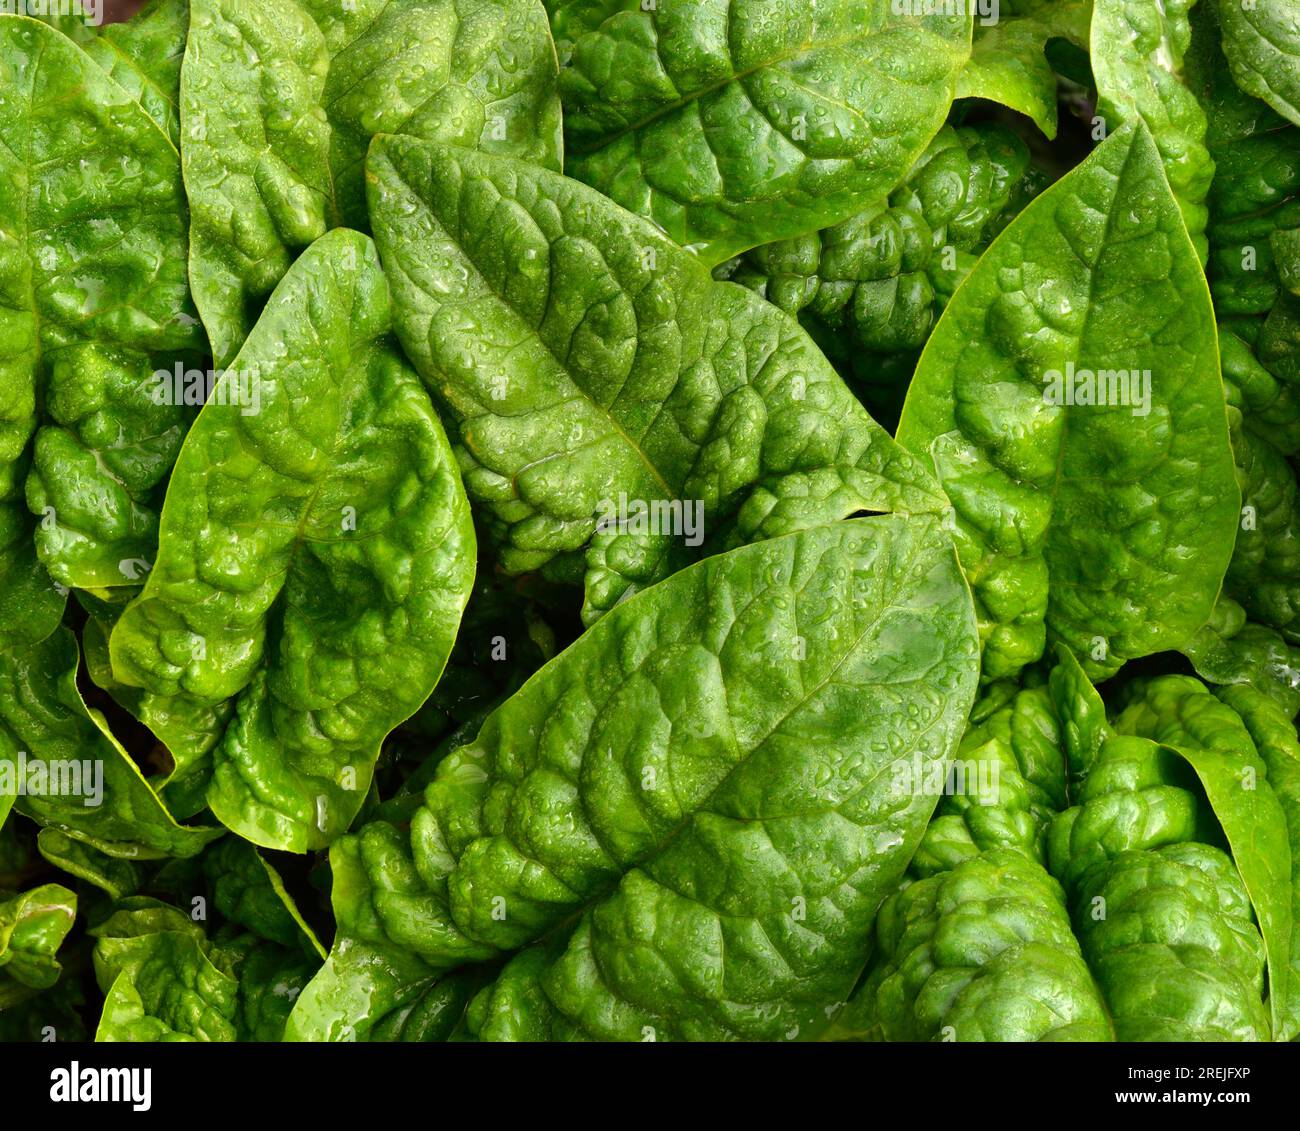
[164,980]
[247,890]
[188,729]
[572,18]
[93,300]
[143,56]
[435,1015]
[696,805]
[278,104]
[479,73]
[732,123]
[1265,571]
[982,951]
[869,279]
[1181,713]
[1084,727]
[1177,908]
[255,150]
[30,605]
[1262,42]
[1137,58]
[1253,197]
[1254,272]
[1105,526]
[316,555]
[586,359]
[1230,650]
[33,925]
[47,733]
[369,979]
[980,946]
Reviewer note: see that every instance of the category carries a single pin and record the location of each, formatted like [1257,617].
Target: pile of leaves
[586,519]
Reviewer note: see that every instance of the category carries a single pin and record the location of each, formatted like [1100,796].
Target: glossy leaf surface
[731,123]
[587,360]
[1083,519]
[726,832]
[316,555]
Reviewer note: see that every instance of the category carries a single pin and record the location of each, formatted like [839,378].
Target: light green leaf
[279,102]
[67,769]
[368,979]
[731,123]
[1008,64]
[588,361]
[143,56]
[164,980]
[1137,59]
[724,748]
[1106,526]
[315,558]
[116,876]
[981,952]
[1182,714]
[255,148]
[1262,41]
[94,299]
[1230,650]
[73,18]
[1274,735]
[33,925]
[478,73]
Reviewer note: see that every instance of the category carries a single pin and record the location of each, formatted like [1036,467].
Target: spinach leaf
[72,18]
[572,18]
[868,290]
[1008,63]
[1070,402]
[1265,566]
[94,298]
[143,56]
[1262,42]
[279,102]
[982,951]
[1230,650]
[731,123]
[33,924]
[1181,712]
[117,877]
[436,1015]
[187,729]
[1275,738]
[1172,859]
[249,892]
[164,979]
[1012,781]
[980,945]
[733,790]
[1137,58]
[588,360]
[60,765]
[1254,272]
[316,556]
[479,73]
[255,149]
[697,806]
